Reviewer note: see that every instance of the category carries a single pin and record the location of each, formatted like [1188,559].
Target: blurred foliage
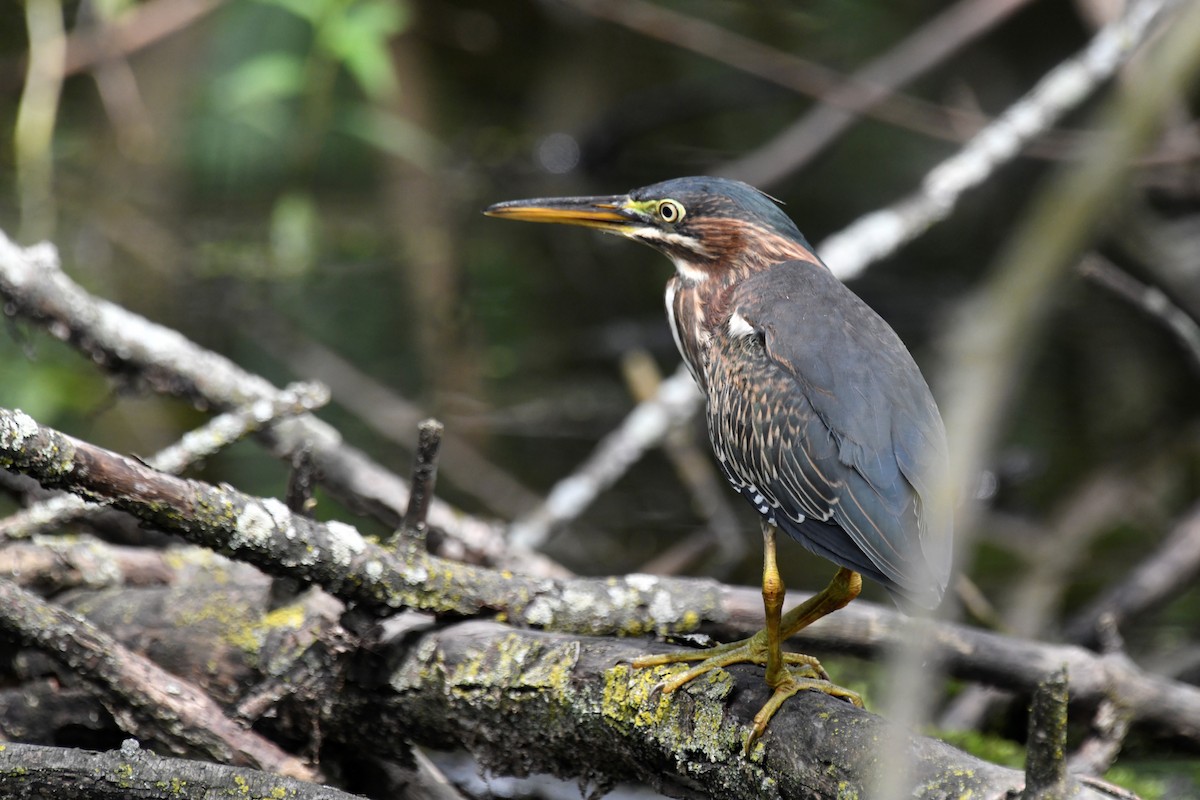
[996,749]
[284,171]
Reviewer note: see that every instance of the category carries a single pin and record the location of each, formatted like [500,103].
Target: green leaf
[358,38]
[265,78]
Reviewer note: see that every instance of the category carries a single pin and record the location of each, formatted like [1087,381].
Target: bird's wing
[872,436]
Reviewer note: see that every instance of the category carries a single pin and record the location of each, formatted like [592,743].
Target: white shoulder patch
[739,326]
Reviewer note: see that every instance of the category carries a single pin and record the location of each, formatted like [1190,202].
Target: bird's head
[706,226]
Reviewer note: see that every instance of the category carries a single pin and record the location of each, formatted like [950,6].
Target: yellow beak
[607,213]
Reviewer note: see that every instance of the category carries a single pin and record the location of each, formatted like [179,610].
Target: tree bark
[521,700]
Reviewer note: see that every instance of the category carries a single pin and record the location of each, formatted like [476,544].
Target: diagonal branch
[34,287]
[779,67]
[880,233]
[149,701]
[933,43]
[218,433]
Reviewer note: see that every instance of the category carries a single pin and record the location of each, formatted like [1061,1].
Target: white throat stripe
[689,271]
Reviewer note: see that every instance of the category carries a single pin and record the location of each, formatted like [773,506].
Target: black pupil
[668,212]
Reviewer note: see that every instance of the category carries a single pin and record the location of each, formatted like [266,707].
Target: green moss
[846,792]
[694,724]
[238,627]
[514,662]
[124,773]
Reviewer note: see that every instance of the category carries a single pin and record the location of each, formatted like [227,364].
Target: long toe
[748,651]
[787,688]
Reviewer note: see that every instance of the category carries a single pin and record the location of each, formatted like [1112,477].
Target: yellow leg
[766,647]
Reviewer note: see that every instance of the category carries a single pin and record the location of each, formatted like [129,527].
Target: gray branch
[35,288]
[337,558]
[881,232]
[573,707]
[33,771]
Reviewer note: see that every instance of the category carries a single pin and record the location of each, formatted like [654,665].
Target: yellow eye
[670,211]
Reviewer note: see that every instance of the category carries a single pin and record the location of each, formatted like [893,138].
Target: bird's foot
[747,651]
[800,672]
[790,685]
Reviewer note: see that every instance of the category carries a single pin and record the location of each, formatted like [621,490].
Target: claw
[787,673]
[792,685]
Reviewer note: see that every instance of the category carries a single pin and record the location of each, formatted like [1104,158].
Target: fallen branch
[149,701]
[28,770]
[337,558]
[552,698]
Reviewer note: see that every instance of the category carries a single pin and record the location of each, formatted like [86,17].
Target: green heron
[816,410]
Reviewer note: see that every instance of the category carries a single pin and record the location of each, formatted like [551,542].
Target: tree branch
[28,770]
[130,346]
[552,697]
[881,232]
[337,558]
[148,700]
[215,435]
[928,46]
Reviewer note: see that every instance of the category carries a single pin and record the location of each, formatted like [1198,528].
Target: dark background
[276,175]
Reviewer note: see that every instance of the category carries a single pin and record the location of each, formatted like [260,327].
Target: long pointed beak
[607,213]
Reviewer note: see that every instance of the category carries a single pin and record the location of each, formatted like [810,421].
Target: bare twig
[880,233]
[215,435]
[1169,569]
[1045,760]
[675,403]
[1097,753]
[1149,299]
[1110,723]
[929,46]
[424,478]
[302,483]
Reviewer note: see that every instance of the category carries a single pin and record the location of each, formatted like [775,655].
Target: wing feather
[841,428]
